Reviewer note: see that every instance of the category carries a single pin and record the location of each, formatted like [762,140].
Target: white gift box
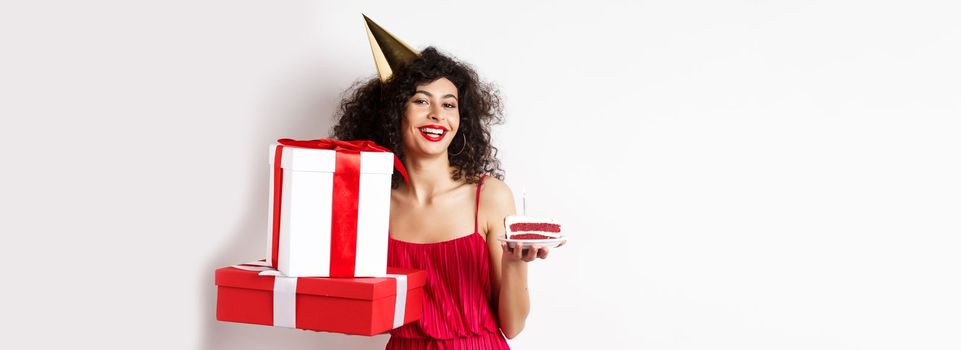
[306,244]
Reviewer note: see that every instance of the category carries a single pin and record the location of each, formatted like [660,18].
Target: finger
[543,253]
[562,244]
[532,253]
[518,250]
[504,247]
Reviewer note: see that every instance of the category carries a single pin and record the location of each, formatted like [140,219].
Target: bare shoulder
[497,202]
[496,193]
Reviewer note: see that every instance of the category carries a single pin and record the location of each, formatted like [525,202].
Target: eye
[420,101]
[449,105]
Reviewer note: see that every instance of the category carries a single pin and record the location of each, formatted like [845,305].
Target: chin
[435,151]
[427,150]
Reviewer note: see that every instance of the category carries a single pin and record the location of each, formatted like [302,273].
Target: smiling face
[431,119]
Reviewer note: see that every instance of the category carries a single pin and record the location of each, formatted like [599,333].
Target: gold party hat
[389,52]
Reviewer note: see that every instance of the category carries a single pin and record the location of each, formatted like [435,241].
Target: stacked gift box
[326,266]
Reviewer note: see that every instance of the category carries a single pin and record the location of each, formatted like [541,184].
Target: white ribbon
[401,301]
[285,301]
[285,294]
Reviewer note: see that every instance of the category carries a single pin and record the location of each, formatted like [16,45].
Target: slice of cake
[526,227]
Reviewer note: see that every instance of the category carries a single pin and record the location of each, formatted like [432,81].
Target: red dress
[460,308]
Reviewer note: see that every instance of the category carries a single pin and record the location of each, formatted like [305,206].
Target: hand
[525,253]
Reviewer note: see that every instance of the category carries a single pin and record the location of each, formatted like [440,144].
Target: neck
[428,177]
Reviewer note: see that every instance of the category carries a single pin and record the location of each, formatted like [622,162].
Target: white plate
[550,243]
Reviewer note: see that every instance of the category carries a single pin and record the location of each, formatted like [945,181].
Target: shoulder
[496,203]
[496,193]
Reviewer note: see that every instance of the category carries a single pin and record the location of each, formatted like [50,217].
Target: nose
[436,113]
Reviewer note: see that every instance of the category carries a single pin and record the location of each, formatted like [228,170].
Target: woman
[435,115]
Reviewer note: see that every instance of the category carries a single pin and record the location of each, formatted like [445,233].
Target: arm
[507,267]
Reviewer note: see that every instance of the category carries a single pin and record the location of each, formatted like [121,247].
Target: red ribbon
[278,189]
[343,241]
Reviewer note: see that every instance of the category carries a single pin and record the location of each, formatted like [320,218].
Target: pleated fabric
[478,342]
[459,305]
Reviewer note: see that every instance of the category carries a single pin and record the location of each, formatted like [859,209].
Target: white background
[733,175]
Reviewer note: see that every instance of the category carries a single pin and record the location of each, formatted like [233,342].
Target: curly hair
[372,110]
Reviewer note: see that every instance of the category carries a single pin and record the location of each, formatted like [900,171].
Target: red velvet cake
[525,227]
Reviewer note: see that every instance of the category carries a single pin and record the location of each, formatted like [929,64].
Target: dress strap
[477,204]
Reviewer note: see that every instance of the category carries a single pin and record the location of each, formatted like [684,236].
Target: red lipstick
[433,132]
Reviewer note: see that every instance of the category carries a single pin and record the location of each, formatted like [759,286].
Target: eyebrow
[432,95]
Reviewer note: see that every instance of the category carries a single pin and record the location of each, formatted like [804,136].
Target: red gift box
[362,305]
